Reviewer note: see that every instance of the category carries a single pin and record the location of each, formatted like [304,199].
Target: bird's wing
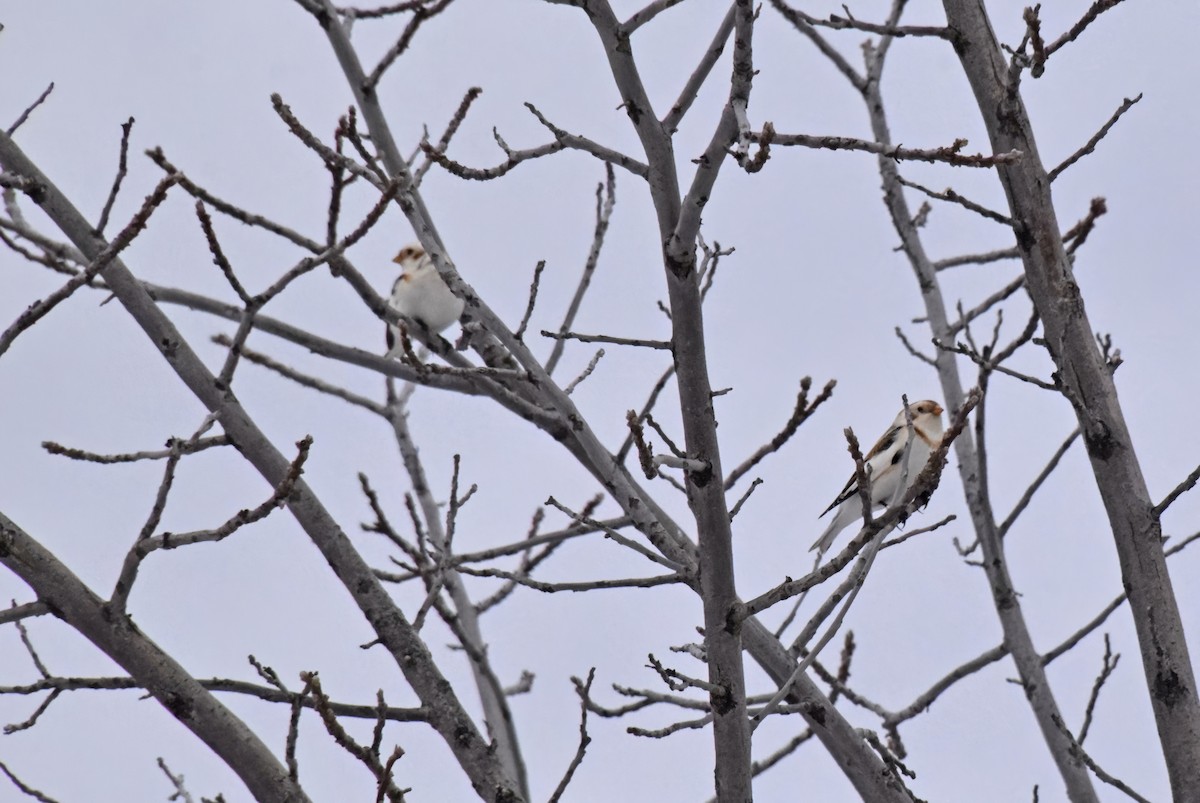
[848,491]
[890,448]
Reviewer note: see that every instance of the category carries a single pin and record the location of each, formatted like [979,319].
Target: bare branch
[569,388]
[737,506]
[122,169]
[369,758]
[987,364]
[156,671]
[1082,754]
[800,414]
[1033,34]
[305,380]
[1188,483]
[638,436]
[586,145]
[187,448]
[977,259]
[181,792]
[533,291]
[926,699]
[850,23]
[421,13]
[278,499]
[687,96]
[953,197]
[646,409]
[925,358]
[611,533]
[103,259]
[460,114]
[640,18]
[382,11]
[12,129]
[1091,144]
[662,345]
[486,174]
[1095,10]
[16,612]
[951,155]
[1108,665]
[584,585]
[17,782]
[146,543]
[218,254]
[1027,496]
[606,199]
[797,18]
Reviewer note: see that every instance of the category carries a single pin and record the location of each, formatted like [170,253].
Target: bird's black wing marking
[391,338]
[883,445]
[885,442]
[850,490]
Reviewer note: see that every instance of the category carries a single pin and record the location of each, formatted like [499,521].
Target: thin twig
[687,96]
[606,199]
[591,366]
[640,18]
[1108,665]
[1188,483]
[533,292]
[950,155]
[122,169]
[662,345]
[1097,8]
[421,13]
[1041,478]
[890,31]
[24,787]
[12,129]
[1078,752]
[460,114]
[953,197]
[583,689]
[733,511]
[802,412]
[1091,144]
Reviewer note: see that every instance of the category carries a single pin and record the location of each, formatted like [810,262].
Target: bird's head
[411,258]
[926,415]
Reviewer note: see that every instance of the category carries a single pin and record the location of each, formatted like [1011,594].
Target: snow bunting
[420,294]
[885,467]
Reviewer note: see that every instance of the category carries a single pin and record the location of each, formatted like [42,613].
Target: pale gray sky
[815,288]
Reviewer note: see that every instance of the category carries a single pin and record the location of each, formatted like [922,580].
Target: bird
[885,468]
[420,294]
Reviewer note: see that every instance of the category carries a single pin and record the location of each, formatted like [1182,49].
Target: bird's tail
[844,516]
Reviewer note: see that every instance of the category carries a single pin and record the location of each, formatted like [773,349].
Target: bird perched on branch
[420,294]
[885,466]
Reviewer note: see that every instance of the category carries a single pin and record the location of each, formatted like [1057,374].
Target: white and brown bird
[420,294]
[885,466]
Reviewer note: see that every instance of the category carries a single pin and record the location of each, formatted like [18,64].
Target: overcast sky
[814,288]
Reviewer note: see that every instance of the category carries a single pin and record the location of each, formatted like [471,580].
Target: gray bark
[1087,384]
[972,471]
[153,669]
[447,716]
[872,779]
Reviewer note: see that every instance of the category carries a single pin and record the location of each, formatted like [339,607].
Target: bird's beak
[398,260]
[937,409]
